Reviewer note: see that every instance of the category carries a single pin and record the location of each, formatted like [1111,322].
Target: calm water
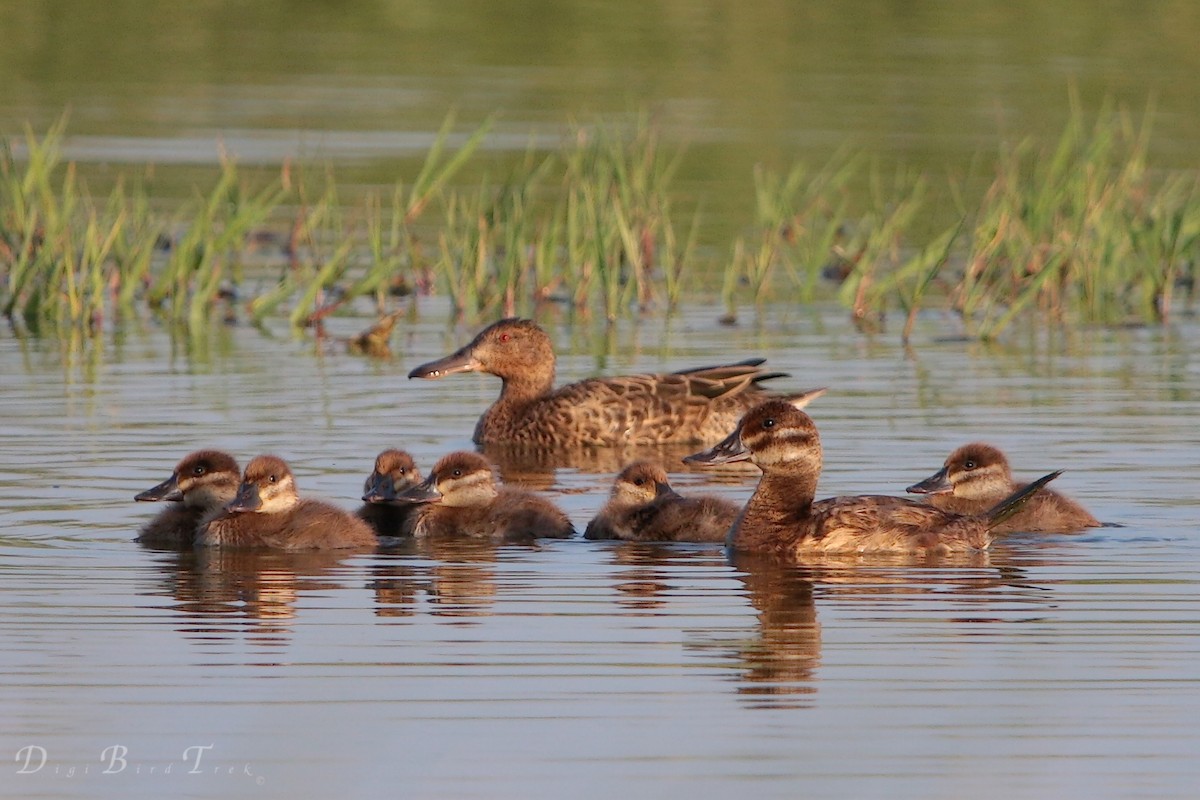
[1061,666]
[1054,666]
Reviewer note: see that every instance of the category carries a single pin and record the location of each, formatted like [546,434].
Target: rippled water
[1054,666]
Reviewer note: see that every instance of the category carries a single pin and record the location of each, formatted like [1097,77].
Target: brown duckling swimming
[976,477]
[394,472]
[460,498]
[201,483]
[692,406]
[781,518]
[267,512]
[643,507]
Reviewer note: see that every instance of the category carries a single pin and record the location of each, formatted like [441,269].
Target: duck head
[516,350]
[203,479]
[267,487]
[975,470]
[394,472]
[775,435]
[461,479]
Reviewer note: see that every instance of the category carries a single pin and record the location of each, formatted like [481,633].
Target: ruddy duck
[394,472]
[643,507]
[781,518]
[976,476]
[460,498]
[267,512]
[692,406]
[201,483]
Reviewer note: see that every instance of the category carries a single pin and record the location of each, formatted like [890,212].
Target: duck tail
[1017,500]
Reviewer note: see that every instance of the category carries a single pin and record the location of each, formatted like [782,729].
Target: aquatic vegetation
[1083,231]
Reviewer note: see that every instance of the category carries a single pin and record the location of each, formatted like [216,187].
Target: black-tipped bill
[167,490]
[937,483]
[727,451]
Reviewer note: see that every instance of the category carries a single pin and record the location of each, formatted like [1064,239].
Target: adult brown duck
[782,520]
[692,406]
[977,476]
[268,512]
[201,483]
[642,507]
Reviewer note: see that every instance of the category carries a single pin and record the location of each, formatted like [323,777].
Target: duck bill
[378,489]
[662,490]
[937,483]
[727,451]
[246,499]
[460,361]
[167,490]
[425,492]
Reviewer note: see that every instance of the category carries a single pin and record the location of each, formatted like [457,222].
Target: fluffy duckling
[201,483]
[643,507]
[267,512]
[693,406]
[781,518]
[394,472]
[460,497]
[976,477]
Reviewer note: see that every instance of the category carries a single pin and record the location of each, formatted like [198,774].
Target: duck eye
[768,423]
[272,479]
[456,473]
[504,337]
[968,465]
[639,482]
[198,469]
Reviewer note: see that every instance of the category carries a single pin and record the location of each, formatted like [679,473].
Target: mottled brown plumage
[460,498]
[976,476]
[781,518]
[643,507]
[201,483]
[267,512]
[696,405]
[394,472]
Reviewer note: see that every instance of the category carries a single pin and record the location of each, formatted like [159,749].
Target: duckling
[460,497]
[643,507]
[976,476]
[396,471]
[781,518]
[201,483]
[692,406]
[267,512]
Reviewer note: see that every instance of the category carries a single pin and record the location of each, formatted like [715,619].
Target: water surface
[1052,666]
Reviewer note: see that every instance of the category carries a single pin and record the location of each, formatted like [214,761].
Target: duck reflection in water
[227,594]
[453,577]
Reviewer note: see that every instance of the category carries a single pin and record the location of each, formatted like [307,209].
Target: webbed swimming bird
[781,518]
[268,512]
[691,406]
[976,476]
